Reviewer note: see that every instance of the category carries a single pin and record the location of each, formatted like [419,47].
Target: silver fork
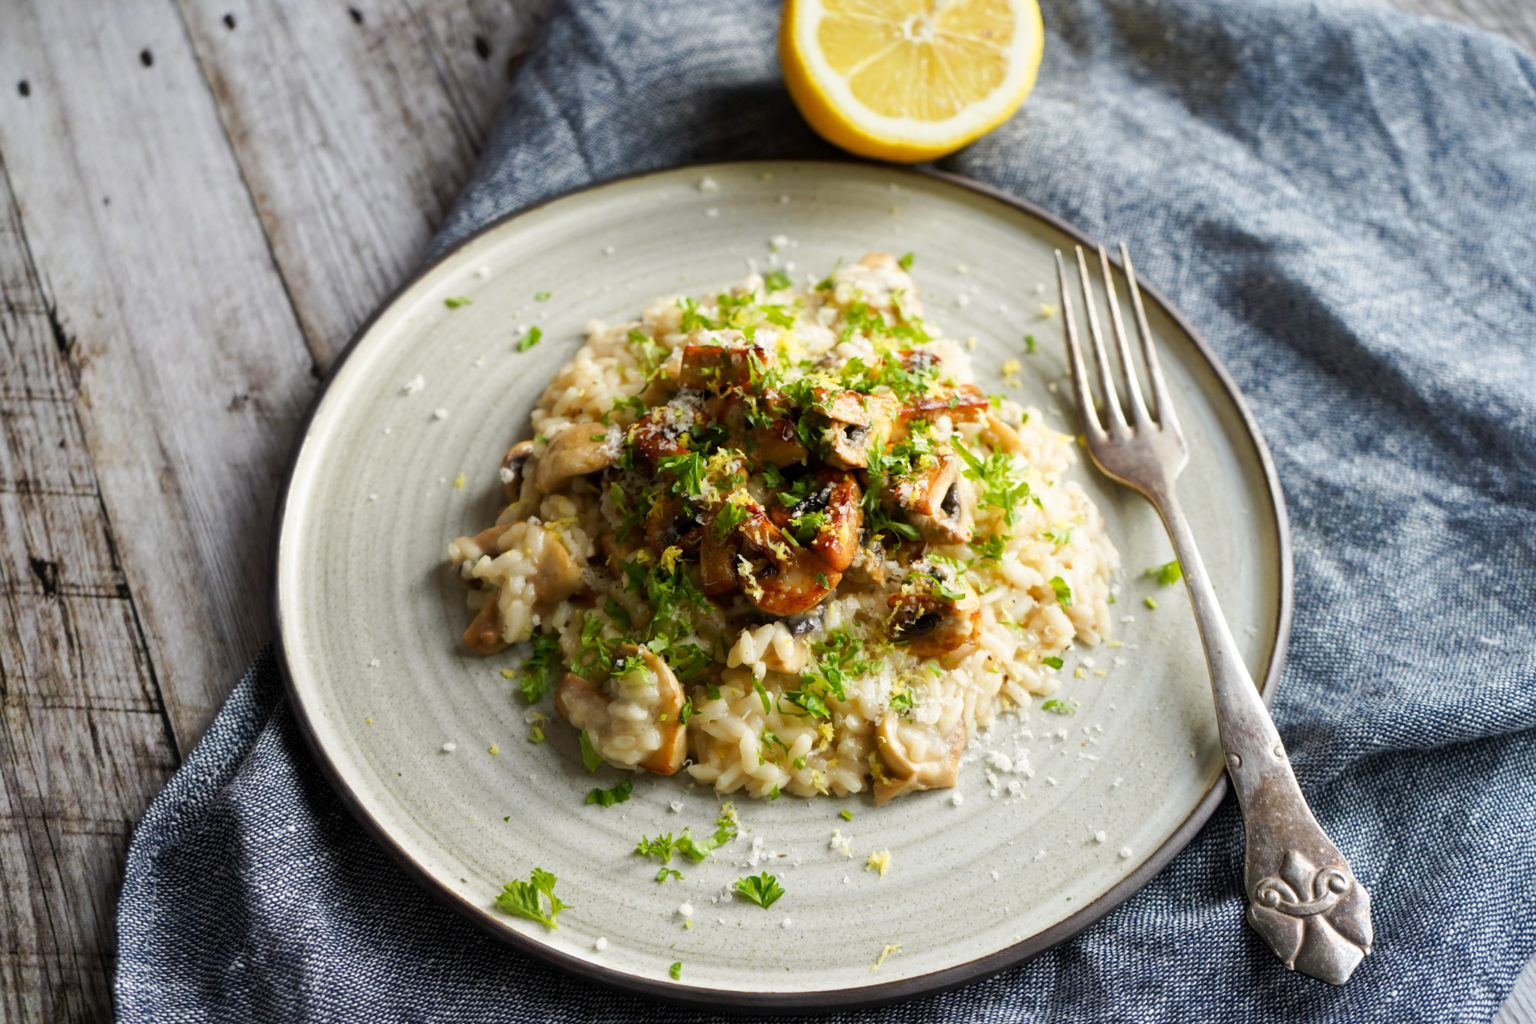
[1302,896]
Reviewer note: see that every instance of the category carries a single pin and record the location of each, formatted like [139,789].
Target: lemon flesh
[909,80]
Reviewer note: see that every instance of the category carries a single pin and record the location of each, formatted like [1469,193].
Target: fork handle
[1302,896]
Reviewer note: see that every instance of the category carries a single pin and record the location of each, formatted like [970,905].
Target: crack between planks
[317,371]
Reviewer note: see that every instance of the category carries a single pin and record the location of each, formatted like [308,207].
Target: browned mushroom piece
[931,625]
[717,367]
[965,402]
[774,442]
[640,679]
[1003,436]
[579,449]
[717,563]
[484,634]
[779,577]
[514,466]
[659,433]
[939,499]
[858,423]
[673,522]
[836,497]
[901,774]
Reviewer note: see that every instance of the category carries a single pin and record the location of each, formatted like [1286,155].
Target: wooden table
[199,202]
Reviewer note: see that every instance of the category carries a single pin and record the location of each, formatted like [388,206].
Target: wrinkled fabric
[1344,203]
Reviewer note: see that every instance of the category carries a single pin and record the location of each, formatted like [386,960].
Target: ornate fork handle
[1303,897]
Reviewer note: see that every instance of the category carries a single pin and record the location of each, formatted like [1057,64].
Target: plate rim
[821,1000]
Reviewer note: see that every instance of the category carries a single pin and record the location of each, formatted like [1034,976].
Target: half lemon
[909,80]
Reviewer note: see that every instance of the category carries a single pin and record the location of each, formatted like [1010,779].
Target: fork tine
[1116,418]
[1122,345]
[1080,389]
[1160,397]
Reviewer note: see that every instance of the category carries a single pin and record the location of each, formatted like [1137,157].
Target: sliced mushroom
[484,634]
[930,625]
[857,424]
[965,402]
[1003,436]
[901,773]
[940,500]
[672,522]
[717,563]
[660,432]
[779,576]
[716,368]
[579,449]
[640,680]
[514,466]
[759,426]
[837,498]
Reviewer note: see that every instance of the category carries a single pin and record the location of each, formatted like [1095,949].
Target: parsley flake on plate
[608,797]
[528,899]
[764,889]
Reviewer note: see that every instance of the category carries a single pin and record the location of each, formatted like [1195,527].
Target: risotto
[779,540]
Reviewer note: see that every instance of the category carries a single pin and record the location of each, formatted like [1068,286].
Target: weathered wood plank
[355,130]
[84,743]
[161,292]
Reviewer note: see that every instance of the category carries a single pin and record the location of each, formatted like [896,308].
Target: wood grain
[355,132]
[202,200]
[85,742]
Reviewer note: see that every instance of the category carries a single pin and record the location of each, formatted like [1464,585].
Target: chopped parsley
[1052,661]
[676,970]
[1167,575]
[456,301]
[1063,592]
[764,889]
[776,281]
[664,846]
[901,701]
[845,814]
[590,758]
[540,667]
[1029,343]
[906,261]
[1149,602]
[542,297]
[528,899]
[661,876]
[1058,707]
[999,488]
[608,797]
[530,339]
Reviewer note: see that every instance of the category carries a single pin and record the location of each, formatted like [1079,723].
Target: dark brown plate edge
[825,1000]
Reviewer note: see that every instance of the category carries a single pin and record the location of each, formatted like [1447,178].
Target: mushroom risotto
[782,542]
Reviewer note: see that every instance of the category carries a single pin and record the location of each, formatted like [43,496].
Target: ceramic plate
[981,877]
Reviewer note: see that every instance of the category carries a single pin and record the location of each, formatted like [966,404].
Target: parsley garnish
[776,281]
[530,339]
[676,970]
[1058,707]
[661,876]
[589,755]
[526,899]
[998,486]
[664,846]
[901,701]
[845,814]
[542,297]
[1029,343]
[608,797]
[457,301]
[1168,574]
[539,668]
[1052,661]
[764,889]
[1063,592]
[905,262]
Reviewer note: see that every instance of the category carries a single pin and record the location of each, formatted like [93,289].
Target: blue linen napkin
[1344,203]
